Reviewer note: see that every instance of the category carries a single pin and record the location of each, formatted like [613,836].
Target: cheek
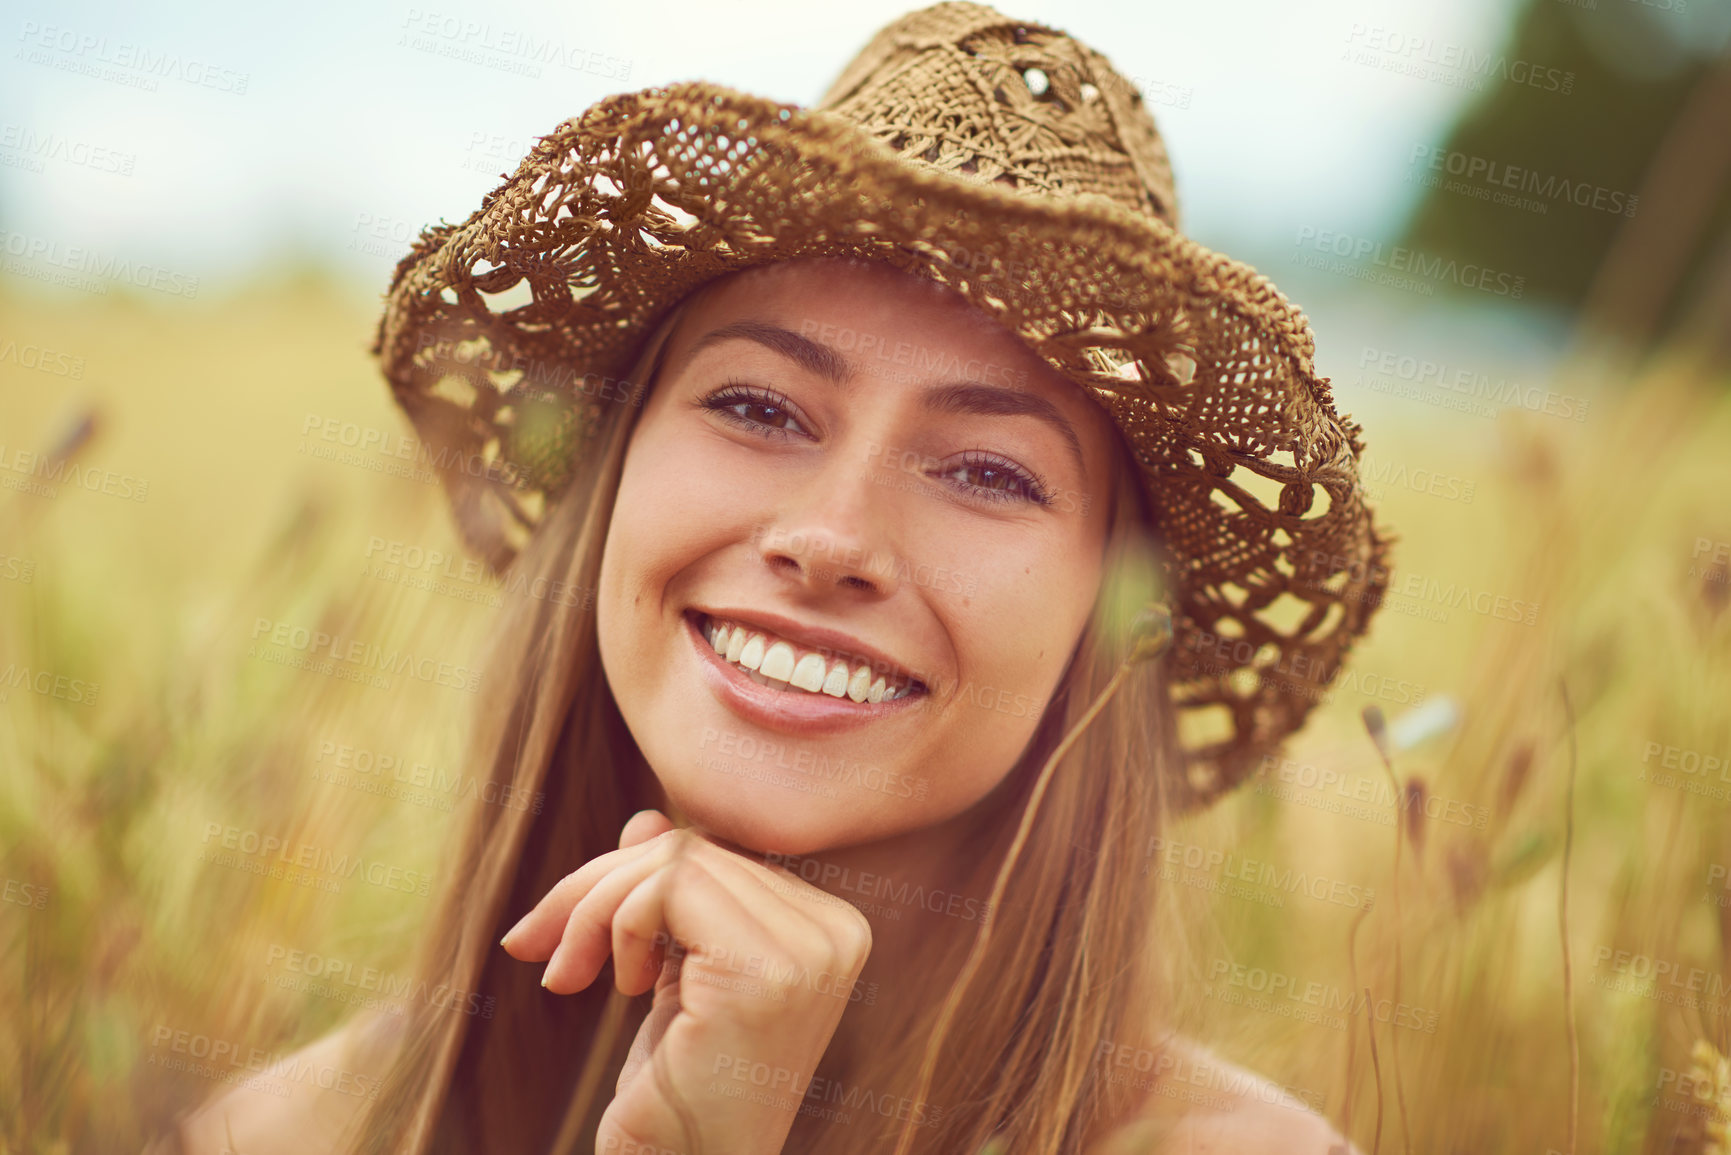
[660,516]
[1014,642]
[642,554]
[990,727]
[1032,603]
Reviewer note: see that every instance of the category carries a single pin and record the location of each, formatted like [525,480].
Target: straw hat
[1005,160]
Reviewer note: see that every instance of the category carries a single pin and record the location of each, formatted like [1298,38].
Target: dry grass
[127,933]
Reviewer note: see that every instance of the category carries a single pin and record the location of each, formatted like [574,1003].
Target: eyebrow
[970,397]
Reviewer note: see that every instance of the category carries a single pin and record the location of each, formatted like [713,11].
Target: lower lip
[790,711]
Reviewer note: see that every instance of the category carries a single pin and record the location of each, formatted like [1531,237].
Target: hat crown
[965,90]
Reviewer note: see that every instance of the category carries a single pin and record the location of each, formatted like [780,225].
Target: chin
[757,823]
[763,818]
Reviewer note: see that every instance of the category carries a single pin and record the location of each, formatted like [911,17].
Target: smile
[784,685]
[772,661]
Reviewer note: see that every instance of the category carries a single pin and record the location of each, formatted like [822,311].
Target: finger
[643,826]
[698,909]
[591,930]
[790,909]
[586,939]
[639,956]
[537,933]
[790,905]
[832,934]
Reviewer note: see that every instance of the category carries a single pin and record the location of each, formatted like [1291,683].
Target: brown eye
[758,409]
[994,479]
[764,414]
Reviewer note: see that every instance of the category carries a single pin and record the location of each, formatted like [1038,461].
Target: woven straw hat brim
[1277,565]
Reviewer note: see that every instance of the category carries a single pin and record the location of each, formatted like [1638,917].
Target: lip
[833,643]
[789,711]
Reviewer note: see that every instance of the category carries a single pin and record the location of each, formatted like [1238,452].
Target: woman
[883,469]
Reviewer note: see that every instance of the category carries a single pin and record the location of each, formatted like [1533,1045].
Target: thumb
[643,826]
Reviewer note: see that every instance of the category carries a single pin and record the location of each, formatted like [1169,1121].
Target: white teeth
[808,673]
[859,684]
[779,664]
[835,683]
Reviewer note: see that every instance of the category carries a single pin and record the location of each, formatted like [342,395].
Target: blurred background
[1509,223]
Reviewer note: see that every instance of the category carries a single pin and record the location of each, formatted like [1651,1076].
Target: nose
[833,532]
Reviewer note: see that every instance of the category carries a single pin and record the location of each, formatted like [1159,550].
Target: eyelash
[735,393]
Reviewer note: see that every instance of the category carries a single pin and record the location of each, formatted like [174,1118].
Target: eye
[996,479]
[762,410]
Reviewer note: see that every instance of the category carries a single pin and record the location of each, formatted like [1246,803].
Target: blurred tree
[1612,199]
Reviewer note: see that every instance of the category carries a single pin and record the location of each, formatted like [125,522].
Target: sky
[216,142]
[341,129]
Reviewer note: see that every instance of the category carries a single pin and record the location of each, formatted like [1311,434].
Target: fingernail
[547,972]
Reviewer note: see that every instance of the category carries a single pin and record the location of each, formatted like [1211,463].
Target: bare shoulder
[293,1103]
[1202,1104]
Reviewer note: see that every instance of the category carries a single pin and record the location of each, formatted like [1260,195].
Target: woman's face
[870,485]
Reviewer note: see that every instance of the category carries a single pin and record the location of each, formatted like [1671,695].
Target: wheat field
[1553,664]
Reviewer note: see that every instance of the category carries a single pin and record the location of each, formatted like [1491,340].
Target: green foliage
[1576,159]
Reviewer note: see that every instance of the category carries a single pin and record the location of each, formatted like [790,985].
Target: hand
[752,969]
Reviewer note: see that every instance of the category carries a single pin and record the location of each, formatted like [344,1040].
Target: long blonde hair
[1072,962]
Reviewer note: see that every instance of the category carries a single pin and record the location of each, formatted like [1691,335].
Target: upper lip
[835,642]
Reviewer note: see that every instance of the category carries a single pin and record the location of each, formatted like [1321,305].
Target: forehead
[828,281]
[904,320]
[841,275]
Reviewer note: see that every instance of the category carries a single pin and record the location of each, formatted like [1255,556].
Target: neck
[910,887]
